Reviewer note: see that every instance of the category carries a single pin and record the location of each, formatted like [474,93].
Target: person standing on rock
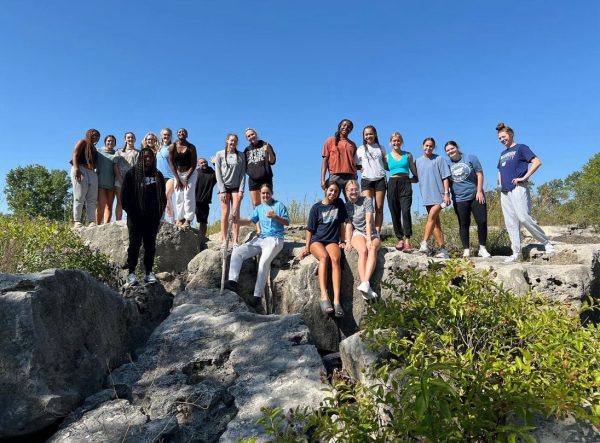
[204,190]
[323,235]
[230,171]
[466,187]
[270,216]
[84,178]
[163,164]
[513,181]
[144,200]
[370,159]
[106,180]
[339,157]
[434,184]
[124,160]
[260,156]
[362,236]
[183,158]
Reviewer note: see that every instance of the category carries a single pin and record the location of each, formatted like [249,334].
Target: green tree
[34,191]
[586,185]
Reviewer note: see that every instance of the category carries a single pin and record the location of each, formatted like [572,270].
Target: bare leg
[433,213]
[170,189]
[333,250]
[320,253]
[360,244]
[255,198]
[224,214]
[235,207]
[372,258]
[379,201]
[101,205]
[437,231]
[119,209]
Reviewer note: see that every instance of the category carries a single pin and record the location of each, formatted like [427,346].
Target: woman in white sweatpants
[84,178]
[183,159]
[513,175]
[270,217]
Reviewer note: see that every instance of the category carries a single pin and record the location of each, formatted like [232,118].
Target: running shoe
[442,253]
[132,280]
[511,258]
[483,252]
[466,253]
[424,249]
[150,278]
[549,248]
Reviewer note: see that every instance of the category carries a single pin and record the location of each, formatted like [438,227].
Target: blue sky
[292,70]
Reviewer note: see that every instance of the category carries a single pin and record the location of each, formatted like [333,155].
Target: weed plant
[460,360]
[38,244]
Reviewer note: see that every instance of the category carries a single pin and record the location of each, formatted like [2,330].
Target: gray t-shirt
[432,171]
[230,170]
[357,213]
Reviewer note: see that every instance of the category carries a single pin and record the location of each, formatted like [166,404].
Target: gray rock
[174,247]
[205,374]
[61,332]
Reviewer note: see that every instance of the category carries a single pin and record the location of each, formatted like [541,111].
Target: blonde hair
[145,145]
[350,183]
[397,134]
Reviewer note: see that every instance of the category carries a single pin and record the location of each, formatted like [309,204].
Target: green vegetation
[34,191]
[37,244]
[460,360]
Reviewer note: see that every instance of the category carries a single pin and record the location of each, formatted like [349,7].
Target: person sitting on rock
[144,200]
[362,236]
[270,217]
[325,225]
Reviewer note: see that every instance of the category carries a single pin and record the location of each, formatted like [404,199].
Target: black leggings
[463,212]
[399,197]
[145,230]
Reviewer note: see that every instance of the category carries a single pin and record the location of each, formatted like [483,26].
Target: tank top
[82,160]
[162,162]
[183,159]
[398,166]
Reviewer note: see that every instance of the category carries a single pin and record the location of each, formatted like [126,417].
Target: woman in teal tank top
[400,164]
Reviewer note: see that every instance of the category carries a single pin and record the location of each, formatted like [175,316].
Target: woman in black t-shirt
[325,224]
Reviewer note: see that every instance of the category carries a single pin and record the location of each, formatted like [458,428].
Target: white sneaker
[442,253]
[92,224]
[150,278]
[511,258]
[77,225]
[466,253]
[549,248]
[132,280]
[423,249]
[364,287]
[483,252]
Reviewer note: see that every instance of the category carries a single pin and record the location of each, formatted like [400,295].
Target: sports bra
[183,159]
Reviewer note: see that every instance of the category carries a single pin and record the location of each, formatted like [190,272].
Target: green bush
[463,360]
[38,244]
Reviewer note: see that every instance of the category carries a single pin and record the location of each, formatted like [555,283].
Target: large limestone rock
[569,275]
[204,376]
[174,247]
[60,334]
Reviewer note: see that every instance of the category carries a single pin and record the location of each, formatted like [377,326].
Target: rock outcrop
[61,332]
[204,376]
[174,247]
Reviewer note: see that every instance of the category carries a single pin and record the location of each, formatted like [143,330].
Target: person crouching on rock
[323,233]
[270,218]
[144,200]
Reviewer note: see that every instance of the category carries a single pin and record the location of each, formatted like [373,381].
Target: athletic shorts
[254,185]
[202,210]
[373,185]
[231,190]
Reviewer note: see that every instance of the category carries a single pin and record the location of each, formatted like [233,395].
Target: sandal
[400,245]
[326,307]
[339,312]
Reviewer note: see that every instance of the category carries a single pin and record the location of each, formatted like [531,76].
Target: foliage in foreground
[38,244]
[463,360]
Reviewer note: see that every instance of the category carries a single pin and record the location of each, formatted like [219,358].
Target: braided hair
[337,133]
[89,147]
[139,175]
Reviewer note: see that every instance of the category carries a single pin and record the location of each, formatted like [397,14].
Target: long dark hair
[139,175]
[337,133]
[89,147]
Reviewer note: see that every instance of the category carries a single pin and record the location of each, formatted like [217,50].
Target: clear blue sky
[292,70]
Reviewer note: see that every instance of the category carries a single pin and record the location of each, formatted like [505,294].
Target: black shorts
[202,210]
[376,185]
[254,185]
[231,190]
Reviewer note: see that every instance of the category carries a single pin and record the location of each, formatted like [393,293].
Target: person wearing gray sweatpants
[513,175]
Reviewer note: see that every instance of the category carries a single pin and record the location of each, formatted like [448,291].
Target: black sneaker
[231,285]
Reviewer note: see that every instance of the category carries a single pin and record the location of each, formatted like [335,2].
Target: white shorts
[374,234]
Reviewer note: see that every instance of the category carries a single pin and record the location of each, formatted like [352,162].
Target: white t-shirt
[370,157]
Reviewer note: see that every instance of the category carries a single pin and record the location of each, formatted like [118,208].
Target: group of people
[144,182]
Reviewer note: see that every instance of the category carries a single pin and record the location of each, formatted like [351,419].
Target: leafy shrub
[464,361]
[38,244]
